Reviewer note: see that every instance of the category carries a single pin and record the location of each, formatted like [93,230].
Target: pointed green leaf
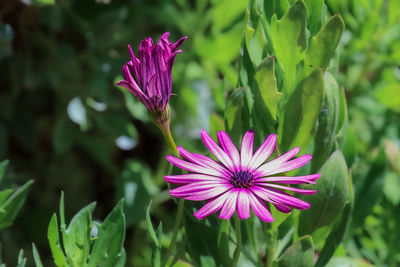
[55,243]
[299,254]
[150,227]
[278,7]
[323,45]
[333,192]
[76,238]
[265,81]
[3,195]
[36,257]
[327,123]
[314,8]
[255,41]
[21,259]
[13,204]
[233,114]
[290,41]
[121,260]
[302,111]
[108,246]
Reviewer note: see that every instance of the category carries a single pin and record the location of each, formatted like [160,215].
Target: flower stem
[164,127]
[238,249]
[177,225]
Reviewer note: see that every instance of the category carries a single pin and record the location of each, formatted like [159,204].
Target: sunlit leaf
[55,243]
[265,81]
[323,45]
[290,41]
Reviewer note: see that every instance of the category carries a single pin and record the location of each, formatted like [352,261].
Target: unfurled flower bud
[149,77]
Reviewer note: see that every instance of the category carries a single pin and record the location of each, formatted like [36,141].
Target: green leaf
[121,260]
[299,254]
[233,114]
[223,242]
[275,6]
[36,257]
[255,41]
[13,204]
[389,96]
[55,244]
[108,245]
[21,259]
[290,41]
[302,111]
[314,8]
[333,192]
[323,45]
[335,236]
[76,238]
[265,81]
[325,137]
[3,166]
[156,252]
[3,195]
[150,227]
[216,125]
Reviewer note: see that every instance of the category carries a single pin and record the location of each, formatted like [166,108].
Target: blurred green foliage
[64,123]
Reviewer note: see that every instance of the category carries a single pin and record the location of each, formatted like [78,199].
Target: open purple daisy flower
[149,77]
[240,181]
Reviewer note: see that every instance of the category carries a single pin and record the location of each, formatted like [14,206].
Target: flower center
[241,179]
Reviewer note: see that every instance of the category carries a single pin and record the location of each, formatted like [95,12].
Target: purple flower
[240,181]
[148,77]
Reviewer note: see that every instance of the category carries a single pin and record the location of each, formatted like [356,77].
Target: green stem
[238,249]
[177,226]
[271,240]
[164,127]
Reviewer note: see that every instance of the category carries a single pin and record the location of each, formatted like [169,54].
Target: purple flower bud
[149,77]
